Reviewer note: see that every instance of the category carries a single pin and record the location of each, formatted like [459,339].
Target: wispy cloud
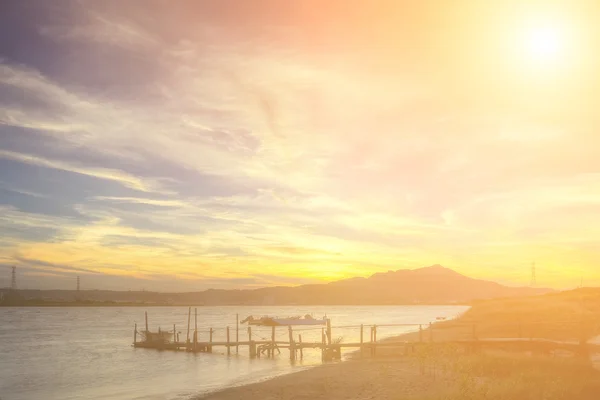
[101,173]
[145,139]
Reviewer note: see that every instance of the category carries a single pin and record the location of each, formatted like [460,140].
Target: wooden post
[174,335]
[520,328]
[272,351]
[430,332]
[322,344]
[420,333]
[374,340]
[146,314]
[134,334]
[328,331]
[187,340]
[251,344]
[237,333]
[228,347]
[195,329]
[301,348]
[361,339]
[371,340]
[292,347]
[210,340]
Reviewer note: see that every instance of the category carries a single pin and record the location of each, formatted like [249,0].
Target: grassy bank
[446,376]
[446,371]
[572,315]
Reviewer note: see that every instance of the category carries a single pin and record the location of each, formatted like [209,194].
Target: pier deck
[330,349]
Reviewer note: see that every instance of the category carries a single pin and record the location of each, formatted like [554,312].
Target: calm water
[86,353]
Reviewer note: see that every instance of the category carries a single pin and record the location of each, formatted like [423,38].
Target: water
[86,353]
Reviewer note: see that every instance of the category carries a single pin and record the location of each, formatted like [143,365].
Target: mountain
[429,285]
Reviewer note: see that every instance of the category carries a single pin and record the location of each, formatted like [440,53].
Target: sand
[389,378]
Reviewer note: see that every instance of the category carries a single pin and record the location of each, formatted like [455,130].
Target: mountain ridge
[428,285]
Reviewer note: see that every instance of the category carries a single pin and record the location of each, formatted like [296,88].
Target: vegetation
[514,377]
[572,315]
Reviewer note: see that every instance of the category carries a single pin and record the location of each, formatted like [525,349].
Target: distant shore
[109,303]
[91,304]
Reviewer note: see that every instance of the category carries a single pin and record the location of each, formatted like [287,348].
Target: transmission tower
[13,282]
[78,283]
[533,276]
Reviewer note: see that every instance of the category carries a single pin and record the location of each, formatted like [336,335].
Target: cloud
[101,173]
[149,138]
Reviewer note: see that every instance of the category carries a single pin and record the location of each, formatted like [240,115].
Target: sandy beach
[459,377]
[355,379]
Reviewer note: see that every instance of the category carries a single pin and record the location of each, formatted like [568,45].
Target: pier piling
[272,350]
[237,333]
[361,339]
[228,346]
[374,340]
[292,346]
[195,329]
[187,340]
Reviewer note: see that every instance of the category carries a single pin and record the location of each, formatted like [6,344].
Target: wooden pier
[272,344]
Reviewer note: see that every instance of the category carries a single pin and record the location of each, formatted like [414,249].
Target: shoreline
[352,378]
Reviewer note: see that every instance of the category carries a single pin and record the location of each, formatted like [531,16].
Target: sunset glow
[187,145]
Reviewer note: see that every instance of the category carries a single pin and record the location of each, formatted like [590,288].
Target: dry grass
[518,377]
[573,315]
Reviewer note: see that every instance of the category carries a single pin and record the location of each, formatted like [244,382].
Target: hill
[429,285]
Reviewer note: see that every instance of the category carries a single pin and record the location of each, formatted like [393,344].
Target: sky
[184,145]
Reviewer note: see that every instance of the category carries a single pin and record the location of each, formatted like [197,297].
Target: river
[68,353]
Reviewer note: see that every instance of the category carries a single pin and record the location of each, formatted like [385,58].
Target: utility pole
[13,282]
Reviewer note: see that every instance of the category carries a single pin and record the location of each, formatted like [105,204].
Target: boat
[290,321]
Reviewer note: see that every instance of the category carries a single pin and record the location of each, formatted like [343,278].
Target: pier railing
[263,341]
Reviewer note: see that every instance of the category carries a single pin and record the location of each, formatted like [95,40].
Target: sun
[544,43]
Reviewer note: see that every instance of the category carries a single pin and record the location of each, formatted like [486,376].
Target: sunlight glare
[545,43]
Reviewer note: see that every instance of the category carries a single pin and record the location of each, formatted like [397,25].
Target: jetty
[272,340]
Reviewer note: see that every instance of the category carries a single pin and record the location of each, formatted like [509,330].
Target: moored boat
[290,321]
